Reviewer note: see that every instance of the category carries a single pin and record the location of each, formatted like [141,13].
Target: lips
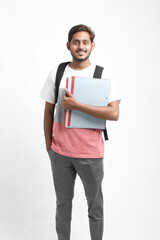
[81,52]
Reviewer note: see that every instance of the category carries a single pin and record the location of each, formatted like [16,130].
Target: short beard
[80,60]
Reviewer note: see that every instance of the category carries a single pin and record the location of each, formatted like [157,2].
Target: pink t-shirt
[74,142]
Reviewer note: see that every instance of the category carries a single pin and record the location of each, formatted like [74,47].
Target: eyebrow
[80,40]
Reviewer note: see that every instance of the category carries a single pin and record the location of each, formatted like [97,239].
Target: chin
[81,59]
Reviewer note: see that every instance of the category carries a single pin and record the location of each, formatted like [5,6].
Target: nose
[80,45]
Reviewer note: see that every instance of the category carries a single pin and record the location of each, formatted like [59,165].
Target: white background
[33,36]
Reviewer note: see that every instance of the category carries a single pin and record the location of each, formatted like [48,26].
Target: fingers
[68,93]
[69,101]
[65,98]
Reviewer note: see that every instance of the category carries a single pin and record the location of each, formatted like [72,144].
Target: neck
[79,65]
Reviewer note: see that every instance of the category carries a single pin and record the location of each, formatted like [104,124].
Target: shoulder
[60,67]
[52,73]
[53,70]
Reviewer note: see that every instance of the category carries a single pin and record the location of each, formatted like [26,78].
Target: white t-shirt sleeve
[48,90]
[114,92]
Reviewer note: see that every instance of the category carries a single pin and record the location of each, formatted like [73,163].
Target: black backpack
[59,74]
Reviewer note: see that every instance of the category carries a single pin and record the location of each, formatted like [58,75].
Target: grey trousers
[90,170]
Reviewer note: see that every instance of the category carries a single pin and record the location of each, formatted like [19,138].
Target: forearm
[107,113]
[110,112]
[48,125]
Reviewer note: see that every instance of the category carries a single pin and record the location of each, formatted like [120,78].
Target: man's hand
[69,101]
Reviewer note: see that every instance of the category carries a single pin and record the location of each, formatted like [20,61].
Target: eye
[85,42]
[75,42]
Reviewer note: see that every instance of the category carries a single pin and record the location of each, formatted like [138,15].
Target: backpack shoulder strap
[98,74]
[59,75]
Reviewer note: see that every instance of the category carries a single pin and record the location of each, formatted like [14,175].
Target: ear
[93,45]
[68,46]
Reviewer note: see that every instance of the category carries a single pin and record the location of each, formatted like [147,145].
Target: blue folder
[91,91]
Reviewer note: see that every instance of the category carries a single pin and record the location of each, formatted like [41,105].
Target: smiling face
[80,46]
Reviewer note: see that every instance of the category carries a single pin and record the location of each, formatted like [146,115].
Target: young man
[76,151]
